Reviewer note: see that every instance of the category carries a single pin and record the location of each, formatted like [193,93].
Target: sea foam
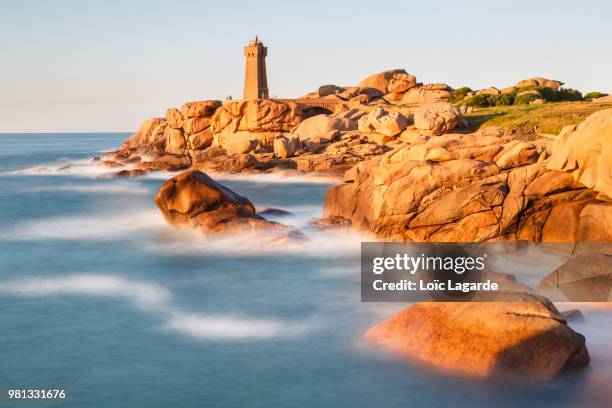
[100,227]
[154,298]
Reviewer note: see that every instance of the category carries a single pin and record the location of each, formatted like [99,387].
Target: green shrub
[459,94]
[505,99]
[525,89]
[549,94]
[595,95]
[481,101]
[568,95]
[526,98]
[520,96]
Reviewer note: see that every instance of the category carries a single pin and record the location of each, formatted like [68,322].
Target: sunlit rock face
[262,119]
[524,336]
[395,80]
[195,200]
[478,187]
[437,118]
[585,151]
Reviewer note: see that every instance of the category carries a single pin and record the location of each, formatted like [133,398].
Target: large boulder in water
[585,151]
[194,199]
[525,336]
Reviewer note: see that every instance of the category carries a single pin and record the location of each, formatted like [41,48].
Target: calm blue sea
[98,296]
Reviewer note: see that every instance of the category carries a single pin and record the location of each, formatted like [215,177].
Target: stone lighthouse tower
[255,79]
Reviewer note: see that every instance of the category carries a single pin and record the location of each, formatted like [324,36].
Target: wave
[234,327]
[265,178]
[66,167]
[184,241]
[101,227]
[154,298]
[146,295]
[316,244]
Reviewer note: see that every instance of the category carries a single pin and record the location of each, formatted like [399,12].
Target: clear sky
[106,65]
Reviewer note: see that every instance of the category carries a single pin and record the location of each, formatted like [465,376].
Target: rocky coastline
[409,169]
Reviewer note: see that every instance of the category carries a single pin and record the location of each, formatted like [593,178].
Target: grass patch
[529,122]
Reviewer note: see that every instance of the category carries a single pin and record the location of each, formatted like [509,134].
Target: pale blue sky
[106,65]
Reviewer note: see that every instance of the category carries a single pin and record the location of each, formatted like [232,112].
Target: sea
[101,298]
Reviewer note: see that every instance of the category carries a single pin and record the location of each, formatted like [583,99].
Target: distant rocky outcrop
[469,188]
[395,87]
[540,82]
[194,199]
[267,134]
[400,87]
[247,136]
[395,80]
[528,84]
[524,335]
[488,91]
[354,94]
[386,110]
[423,95]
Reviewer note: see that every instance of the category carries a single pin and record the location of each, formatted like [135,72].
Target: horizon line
[63,132]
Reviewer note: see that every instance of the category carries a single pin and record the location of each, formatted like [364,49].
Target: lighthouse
[255,78]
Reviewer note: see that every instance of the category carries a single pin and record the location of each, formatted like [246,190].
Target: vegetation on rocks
[527,122]
[520,96]
[459,94]
[594,95]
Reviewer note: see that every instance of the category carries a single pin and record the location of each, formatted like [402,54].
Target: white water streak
[154,298]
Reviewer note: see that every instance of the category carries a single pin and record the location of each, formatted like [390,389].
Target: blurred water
[100,297]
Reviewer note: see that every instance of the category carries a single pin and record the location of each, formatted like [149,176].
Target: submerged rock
[129,173]
[330,223]
[584,278]
[524,336]
[274,212]
[166,162]
[109,163]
